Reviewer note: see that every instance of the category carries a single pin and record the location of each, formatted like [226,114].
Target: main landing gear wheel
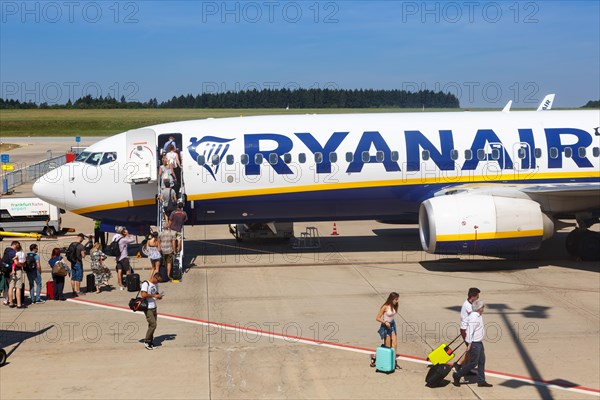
[584,245]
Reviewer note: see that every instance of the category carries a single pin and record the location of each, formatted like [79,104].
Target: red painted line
[332,344]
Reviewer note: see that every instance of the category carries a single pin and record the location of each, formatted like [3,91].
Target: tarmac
[260,319]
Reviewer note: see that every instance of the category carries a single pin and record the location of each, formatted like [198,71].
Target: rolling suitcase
[90,283]
[385,360]
[133,282]
[443,353]
[175,271]
[436,374]
[50,290]
[163,273]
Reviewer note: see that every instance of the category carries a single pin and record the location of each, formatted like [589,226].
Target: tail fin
[546,104]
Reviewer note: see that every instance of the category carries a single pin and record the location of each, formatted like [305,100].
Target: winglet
[507,106]
[546,104]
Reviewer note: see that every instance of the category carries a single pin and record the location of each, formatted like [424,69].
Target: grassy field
[109,122]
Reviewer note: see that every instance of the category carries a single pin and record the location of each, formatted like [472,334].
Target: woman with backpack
[59,280]
[34,274]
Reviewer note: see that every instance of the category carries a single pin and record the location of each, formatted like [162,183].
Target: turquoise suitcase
[385,360]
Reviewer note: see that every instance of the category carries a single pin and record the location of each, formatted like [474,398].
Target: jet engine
[482,224]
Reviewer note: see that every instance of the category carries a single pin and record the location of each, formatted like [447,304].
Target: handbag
[59,269]
[138,303]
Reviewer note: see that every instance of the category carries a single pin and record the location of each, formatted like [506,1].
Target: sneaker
[457,366]
[484,384]
[40,301]
[148,346]
[456,379]
[123,288]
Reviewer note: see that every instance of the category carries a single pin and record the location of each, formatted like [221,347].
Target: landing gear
[584,244]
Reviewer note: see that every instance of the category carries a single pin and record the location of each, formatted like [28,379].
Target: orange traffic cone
[334,233]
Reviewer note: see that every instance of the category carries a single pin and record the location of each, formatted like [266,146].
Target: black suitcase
[436,374]
[163,273]
[175,271]
[90,283]
[133,282]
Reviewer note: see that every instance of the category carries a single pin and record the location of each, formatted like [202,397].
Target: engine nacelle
[482,224]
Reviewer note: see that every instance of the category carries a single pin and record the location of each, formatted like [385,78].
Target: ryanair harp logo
[205,150]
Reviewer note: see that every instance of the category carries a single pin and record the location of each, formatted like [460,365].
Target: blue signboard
[78,139]
[5,158]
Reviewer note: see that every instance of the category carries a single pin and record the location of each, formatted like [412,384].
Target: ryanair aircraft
[475,182]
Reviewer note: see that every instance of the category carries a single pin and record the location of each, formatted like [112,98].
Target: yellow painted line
[488,235]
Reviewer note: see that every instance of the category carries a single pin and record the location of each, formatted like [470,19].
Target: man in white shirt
[465,311]
[475,335]
[149,291]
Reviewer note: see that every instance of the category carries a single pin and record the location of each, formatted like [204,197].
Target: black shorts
[123,265]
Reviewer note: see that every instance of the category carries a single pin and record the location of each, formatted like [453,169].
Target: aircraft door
[141,156]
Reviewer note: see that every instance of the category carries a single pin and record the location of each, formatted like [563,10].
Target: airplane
[475,182]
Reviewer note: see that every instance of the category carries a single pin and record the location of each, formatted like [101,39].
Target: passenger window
[244,159]
[287,158]
[230,159]
[318,157]
[425,155]
[108,157]
[201,160]
[333,157]
[468,154]
[581,152]
[273,158]
[454,155]
[522,153]
[495,154]
[349,157]
[366,157]
[480,154]
[568,152]
[258,159]
[215,159]
[83,156]
[395,156]
[553,152]
[596,151]
[379,156]
[538,152]
[301,158]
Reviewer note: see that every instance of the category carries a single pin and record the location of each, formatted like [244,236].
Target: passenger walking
[387,330]
[153,251]
[16,278]
[123,266]
[173,159]
[34,274]
[59,281]
[168,199]
[100,271]
[99,236]
[465,311]
[149,291]
[475,335]
[177,219]
[7,267]
[167,247]
[166,174]
[75,254]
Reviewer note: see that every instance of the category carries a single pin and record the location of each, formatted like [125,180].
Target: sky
[484,52]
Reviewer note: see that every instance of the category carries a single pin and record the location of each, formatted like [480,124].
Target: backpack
[113,248]
[71,253]
[30,264]
[6,264]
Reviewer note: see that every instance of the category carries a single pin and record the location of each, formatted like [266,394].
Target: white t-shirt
[150,288]
[465,311]
[21,257]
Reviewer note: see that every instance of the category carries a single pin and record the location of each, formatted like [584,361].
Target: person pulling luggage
[387,330]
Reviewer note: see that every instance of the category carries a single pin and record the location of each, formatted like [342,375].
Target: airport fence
[11,180]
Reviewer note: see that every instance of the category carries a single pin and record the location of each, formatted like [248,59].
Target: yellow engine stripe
[488,235]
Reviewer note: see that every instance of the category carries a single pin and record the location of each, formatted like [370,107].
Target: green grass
[109,122]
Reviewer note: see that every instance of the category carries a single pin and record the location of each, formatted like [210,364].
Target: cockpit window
[108,157]
[94,158]
[83,156]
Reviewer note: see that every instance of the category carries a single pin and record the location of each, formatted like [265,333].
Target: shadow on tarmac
[9,337]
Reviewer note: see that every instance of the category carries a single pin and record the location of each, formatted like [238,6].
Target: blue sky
[484,52]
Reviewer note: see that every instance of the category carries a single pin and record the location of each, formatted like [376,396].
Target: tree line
[265,98]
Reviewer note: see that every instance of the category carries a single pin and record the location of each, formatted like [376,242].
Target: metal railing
[11,180]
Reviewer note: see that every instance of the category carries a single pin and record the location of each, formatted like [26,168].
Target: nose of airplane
[50,187]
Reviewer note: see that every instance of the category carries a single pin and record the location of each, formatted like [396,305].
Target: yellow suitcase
[443,353]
